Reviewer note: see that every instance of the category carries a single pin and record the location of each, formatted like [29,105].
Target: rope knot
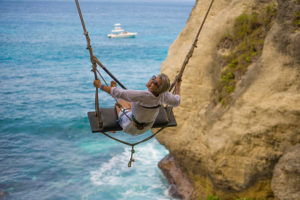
[131,157]
[94,58]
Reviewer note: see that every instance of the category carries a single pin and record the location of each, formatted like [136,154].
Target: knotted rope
[191,51]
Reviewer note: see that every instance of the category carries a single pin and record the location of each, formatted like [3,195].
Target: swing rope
[191,51]
[95,62]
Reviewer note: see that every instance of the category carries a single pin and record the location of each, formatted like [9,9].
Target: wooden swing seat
[110,120]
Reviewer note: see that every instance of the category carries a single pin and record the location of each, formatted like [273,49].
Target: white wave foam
[108,173]
[142,181]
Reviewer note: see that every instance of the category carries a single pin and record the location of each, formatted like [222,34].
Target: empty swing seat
[110,120]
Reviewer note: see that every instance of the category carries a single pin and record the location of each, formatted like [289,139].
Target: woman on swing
[141,107]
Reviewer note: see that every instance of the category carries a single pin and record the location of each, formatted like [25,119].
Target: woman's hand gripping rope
[97,83]
[178,85]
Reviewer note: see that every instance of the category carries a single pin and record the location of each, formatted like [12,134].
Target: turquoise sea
[47,150]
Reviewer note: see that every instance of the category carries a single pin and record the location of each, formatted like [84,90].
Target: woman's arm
[173,100]
[97,84]
[127,95]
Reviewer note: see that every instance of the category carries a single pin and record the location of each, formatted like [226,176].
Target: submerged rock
[3,195]
[180,185]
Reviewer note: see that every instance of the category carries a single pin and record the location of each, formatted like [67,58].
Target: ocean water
[47,150]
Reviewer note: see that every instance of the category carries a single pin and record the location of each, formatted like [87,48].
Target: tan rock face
[231,151]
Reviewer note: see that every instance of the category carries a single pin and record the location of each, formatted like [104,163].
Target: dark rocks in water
[180,185]
[3,195]
[286,178]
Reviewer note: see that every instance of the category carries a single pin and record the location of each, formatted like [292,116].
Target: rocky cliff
[240,107]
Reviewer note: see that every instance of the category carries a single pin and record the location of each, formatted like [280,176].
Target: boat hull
[126,35]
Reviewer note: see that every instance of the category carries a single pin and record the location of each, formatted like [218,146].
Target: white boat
[118,32]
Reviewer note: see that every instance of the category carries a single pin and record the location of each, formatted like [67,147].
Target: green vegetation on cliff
[211,197]
[296,20]
[245,45]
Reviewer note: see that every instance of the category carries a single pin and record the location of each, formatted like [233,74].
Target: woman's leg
[124,104]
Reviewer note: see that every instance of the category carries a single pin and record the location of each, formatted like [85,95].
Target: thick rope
[94,65]
[191,51]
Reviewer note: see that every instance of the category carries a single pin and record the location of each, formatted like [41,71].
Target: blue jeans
[123,119]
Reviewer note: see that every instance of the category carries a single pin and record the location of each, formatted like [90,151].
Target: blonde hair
[165,83]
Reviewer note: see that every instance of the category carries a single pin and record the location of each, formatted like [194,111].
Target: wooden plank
[110,123]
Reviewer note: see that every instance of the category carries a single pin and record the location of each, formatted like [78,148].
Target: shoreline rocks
[286,177]
[180,185]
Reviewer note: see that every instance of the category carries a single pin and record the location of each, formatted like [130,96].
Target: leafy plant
[244,199]
[247,40]
[211,197]
[296,20]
